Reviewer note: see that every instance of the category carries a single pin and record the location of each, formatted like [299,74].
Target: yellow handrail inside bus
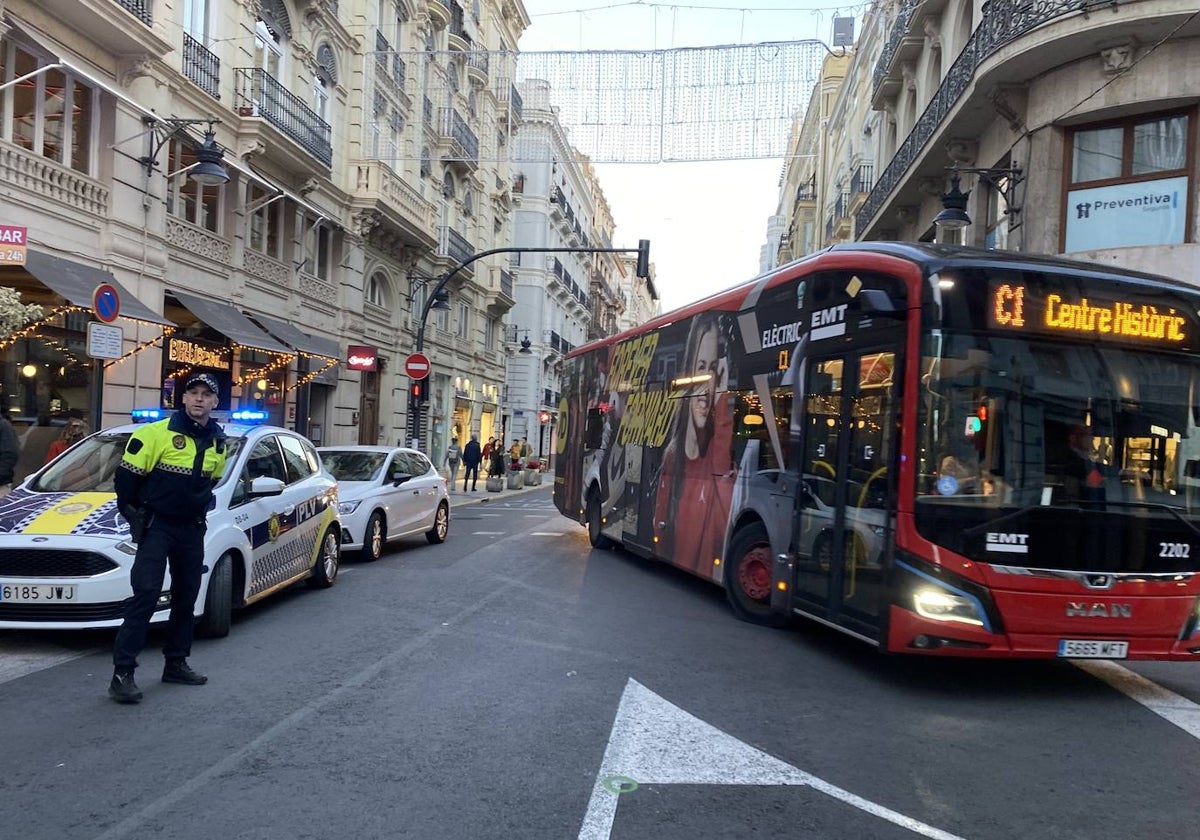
[832,472]
[862,496]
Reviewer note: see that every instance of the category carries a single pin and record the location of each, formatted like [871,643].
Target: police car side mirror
[264,486]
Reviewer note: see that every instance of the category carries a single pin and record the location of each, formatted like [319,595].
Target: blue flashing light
[248,415]
[147,415]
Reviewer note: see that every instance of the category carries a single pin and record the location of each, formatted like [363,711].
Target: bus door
[843,525]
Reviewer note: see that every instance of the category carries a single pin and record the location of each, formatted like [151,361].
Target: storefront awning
[77,282]
[230,323]
[299,340]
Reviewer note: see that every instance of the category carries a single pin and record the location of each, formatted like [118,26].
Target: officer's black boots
[178,671]
[122,688]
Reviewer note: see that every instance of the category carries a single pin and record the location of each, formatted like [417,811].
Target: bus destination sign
[1016,306]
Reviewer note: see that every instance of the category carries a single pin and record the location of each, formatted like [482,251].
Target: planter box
[532,478]
[495,484]
[514,481]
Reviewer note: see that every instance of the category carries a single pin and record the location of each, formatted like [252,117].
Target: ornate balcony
[39,180]
[121,27]
[201,66]
[459,143]
[458,39]
[388,200]
[500,292]
[261,95]
[439,13]
[453,248]
[477,66]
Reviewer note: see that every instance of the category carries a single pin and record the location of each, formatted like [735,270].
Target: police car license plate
[36,593]
[1092,649]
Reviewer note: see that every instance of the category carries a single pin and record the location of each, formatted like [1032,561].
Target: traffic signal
[543,416]
[643,258]
[416,392]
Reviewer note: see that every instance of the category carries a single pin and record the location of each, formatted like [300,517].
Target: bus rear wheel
[748,576]
[594,522]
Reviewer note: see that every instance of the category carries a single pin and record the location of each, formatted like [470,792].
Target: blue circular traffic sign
[106,303]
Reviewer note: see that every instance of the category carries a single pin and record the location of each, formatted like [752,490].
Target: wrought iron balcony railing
[861,180]
[455,128]
[263,94]
[399,70]
[517,103]
[201,66]
[1003,21]
[506,283]
[454,245]
[478,60]
[899,30]
[140,9]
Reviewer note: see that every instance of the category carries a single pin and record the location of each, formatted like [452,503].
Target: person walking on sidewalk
[10,452]
[471,457]
[164,486]
[453,455]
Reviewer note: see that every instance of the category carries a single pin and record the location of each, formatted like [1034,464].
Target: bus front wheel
[748,576]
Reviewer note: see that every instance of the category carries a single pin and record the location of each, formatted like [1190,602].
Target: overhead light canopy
[954,208]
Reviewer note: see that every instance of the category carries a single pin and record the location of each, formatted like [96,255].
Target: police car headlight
[946,606]
[348,507]
[127,547]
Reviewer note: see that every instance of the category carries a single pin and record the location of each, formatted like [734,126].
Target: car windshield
[91,466]
[347,465]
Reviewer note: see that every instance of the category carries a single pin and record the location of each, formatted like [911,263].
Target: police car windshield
[89,467]
[353,466]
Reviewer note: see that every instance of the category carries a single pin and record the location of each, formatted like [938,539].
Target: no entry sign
[417,366]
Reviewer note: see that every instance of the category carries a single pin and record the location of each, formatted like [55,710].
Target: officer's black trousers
[180,543]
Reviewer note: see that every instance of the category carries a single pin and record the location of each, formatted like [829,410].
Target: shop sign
[181,351]
[361,357]
[1122,215]
[104,341]
[12,245]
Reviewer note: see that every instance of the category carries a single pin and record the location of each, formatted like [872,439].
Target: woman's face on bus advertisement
[706,362]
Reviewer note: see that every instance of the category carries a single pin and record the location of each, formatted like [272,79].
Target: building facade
[364,148]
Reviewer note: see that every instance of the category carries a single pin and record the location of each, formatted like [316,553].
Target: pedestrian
[72,433]
[453,455]
[487,449]
[10,451]
[471,457]
[514,455]
[164,486]
[497,463]
[524,451]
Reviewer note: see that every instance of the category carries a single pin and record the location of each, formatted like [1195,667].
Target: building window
[1132,149]
[463,328]
[317,248]
[268,47]
[50,114]
[266,221]
[1131,182]
[489,333]
[375,292]
[195,19]
[186,199]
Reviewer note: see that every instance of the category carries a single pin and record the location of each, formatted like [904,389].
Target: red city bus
[937,450]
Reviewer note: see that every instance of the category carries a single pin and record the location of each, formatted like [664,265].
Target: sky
[706,222]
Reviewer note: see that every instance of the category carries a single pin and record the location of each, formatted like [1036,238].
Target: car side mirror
[400,478]
[264,486]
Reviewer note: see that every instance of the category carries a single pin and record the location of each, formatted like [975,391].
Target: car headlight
[941,605]
[127,547]
[348,507]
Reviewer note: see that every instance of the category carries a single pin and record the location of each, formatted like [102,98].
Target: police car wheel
[441,525]
[218,601]
[326,569]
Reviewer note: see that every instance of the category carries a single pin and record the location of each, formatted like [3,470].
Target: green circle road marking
[619,784]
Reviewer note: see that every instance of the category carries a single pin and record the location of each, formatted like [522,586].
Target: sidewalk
[459,498]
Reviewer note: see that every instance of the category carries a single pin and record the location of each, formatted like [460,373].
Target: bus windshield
[1059,456]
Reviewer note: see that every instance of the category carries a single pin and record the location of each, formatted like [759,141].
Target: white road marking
[549,533]
[1162,701]
[488,533]
[655,742]
[19,659]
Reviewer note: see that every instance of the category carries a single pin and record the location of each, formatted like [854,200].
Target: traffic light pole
[415,404]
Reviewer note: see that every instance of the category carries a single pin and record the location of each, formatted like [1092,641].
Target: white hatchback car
[65,554]
[385,493]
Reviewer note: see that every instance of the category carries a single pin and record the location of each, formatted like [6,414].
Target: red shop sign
[362,357]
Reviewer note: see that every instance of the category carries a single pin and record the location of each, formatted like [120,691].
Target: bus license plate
[1092,649]
[36,593]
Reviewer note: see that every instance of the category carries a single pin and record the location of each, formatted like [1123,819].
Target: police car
[65,553]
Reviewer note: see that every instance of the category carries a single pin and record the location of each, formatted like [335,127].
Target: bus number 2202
[1166,549]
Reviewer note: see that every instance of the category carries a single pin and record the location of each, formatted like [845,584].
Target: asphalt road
[513,683]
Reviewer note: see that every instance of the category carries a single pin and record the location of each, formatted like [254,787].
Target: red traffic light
[417,391]
[543,416]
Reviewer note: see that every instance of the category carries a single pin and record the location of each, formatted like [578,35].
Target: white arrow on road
[656,742]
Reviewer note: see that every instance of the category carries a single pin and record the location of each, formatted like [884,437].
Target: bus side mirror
[878,302]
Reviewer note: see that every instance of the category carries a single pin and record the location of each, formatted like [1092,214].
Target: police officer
[164,487]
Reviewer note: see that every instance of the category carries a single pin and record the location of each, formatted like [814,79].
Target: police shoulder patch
[178,442]
[135,446]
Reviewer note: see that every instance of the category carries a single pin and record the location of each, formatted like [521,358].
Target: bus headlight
[940,605]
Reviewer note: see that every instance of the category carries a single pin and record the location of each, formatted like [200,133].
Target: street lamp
[954,202]
[207,171]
